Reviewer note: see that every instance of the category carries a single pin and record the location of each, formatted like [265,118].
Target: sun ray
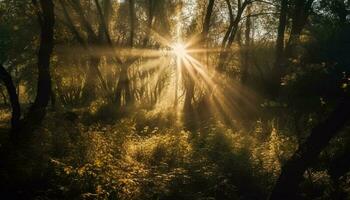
[179,50]
[179,57]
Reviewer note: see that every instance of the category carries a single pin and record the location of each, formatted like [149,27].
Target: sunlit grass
[136,162]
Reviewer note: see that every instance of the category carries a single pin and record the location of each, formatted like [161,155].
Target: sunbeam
[179,49]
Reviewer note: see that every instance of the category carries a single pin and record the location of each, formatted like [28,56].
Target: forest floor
[144,156]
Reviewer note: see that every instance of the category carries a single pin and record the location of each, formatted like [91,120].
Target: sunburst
[178,57]
[180,50]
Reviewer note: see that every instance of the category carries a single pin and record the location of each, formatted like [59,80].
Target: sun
[179,49]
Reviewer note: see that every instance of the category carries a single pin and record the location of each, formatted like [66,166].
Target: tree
[189,72]
[46,19]
[280,32]
[231,31]
[292,171]
[11,90]
[122,90]
[246,53]
[124,82]
[301,12]
[280,59]
[93,39]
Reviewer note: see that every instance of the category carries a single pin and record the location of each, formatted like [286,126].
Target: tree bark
[150,19]
[292,172]
[89,90]
[11,90]
[301,12]
[246,49]
[132,22]
[206,24]
[46,20]
[188,79]
[280,32]
[230,34]
[124,81]
[280,59]
[123,85]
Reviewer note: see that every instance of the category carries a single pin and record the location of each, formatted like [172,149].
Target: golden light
[179,50]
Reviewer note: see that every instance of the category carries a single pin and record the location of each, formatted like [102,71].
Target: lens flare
[179,50]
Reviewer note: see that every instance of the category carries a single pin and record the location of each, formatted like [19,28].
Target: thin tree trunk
[206,24]
[11,90]
[188,79]
[123,85]
[292,172]
[189,85]
[189,120]
[150,19]
[89,90]
[280,32]
[132,22]
[4,97]
[230,35]
[232,19]
[246,52]
[124,81]
[53,99]
[280,61]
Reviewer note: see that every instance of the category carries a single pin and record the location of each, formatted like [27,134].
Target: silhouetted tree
[301,12]
[11,90]
[231,31]
[46,19]
[292,171]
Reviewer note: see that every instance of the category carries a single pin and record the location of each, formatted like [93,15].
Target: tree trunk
[150,19]
[89,91]
[4,97]
[301,13]
[230,36]
[292,172]
[206,24]
[123,86]
[132,22]
[280,32]
[280,61]
[46,20]
[124,82]
[11,90]
[53,99]
[189,72]
[246,52]
[189,120]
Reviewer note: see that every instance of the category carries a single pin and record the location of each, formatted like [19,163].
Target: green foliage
[120,161]
[90,148]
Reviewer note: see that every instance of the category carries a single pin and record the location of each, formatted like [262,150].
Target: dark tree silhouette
[231,31]
[11,90]
[46,18]
[292,172]
[301,12]
[189,83]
